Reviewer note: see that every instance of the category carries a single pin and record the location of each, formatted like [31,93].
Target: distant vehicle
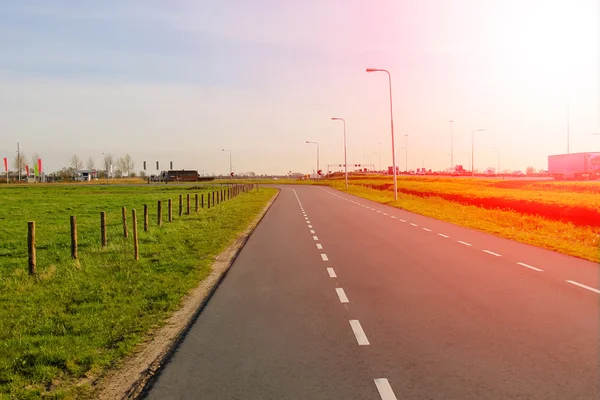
[574,166]
[518,173]
[490,172]
[180,175]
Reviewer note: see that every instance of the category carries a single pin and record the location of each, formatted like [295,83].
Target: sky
[181,80]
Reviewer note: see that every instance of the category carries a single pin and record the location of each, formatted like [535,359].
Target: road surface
[336,297]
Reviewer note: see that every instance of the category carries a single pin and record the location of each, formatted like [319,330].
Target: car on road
[518,173]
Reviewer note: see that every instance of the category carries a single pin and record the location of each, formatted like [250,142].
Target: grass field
[77,318]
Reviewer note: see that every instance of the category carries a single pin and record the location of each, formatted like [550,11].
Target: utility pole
[19,160]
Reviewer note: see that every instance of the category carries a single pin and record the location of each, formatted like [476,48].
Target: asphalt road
[336,297]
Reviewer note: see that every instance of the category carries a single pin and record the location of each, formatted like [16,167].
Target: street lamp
[424,162]
[498,165]
[317,158]
[230,170]
[472,149]
[392,126]
[345,163]
[406,152]
[106,173]
[379,156]
[451,146]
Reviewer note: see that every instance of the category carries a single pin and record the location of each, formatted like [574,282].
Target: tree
[76,163]
[90,163]
[20,162]
[107,162]
[125,165]
[34,159]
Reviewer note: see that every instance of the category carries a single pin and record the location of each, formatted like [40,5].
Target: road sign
[231,174]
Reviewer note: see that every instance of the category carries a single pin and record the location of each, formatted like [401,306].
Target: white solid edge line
[315,238]
[492,253]
[465,243]
[324,257]
[361,338]
[331,273]
[342,295]
[442,235]
[581,285]
[319,246]
[414,224]
[428,230]
[384,389]
[529,266]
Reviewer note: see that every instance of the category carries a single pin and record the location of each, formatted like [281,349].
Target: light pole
[406,151]
[472,150]
[230,170]
[568,123]
[424,162]
[345,163]
[392,126]
[379,156]
[498,162]
[317,158]
[451,146]
[106,172]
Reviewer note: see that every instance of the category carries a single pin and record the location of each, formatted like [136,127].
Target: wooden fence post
[159,210]
[31,246]
[188,203]
[103,228]
[180,204]
[136,249]
[213,198]
[202,200]
[124,212]
[208,200]
[196,202]
[73,237]
[170,210]
[145,217]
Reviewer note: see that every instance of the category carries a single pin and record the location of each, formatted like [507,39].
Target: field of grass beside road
[578,241]
[77,318]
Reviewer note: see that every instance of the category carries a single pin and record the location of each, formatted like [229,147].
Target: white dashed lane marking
[529,266]
[384,389]
[331,273]
[315,238]
[492,253]
[342,295]
[324,257]
[312,231]
[465,243]
[359,333]
[581,285]
[319,246]
[414,224]
[428,230]
[442,235]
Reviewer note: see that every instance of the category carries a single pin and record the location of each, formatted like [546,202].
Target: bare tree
[108,161]
[125,164]
[20,162]
[76,163]
[90,163]
[34,159]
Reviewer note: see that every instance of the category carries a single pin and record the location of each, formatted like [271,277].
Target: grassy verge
[553,235]
[79,318]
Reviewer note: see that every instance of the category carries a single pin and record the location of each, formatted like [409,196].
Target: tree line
[122,166]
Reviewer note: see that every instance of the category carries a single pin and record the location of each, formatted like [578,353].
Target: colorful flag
[27,170]
[39,165]
[5,164]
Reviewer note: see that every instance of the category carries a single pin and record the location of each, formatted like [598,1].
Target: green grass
[563,237]
[76,319]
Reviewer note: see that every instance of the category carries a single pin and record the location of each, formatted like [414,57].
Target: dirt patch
[129,379]
[580,216]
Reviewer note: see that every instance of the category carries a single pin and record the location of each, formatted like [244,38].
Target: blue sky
[180,80]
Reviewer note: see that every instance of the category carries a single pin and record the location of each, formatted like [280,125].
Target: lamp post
[230,170]
[392,128]
[345,163]
[406,152]
[379,156]
[498,162]
[106,172]
[451,146]
[472,150]
[317,158]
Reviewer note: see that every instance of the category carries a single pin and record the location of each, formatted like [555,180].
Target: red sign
[39,166]
[27,170]
[5,164]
